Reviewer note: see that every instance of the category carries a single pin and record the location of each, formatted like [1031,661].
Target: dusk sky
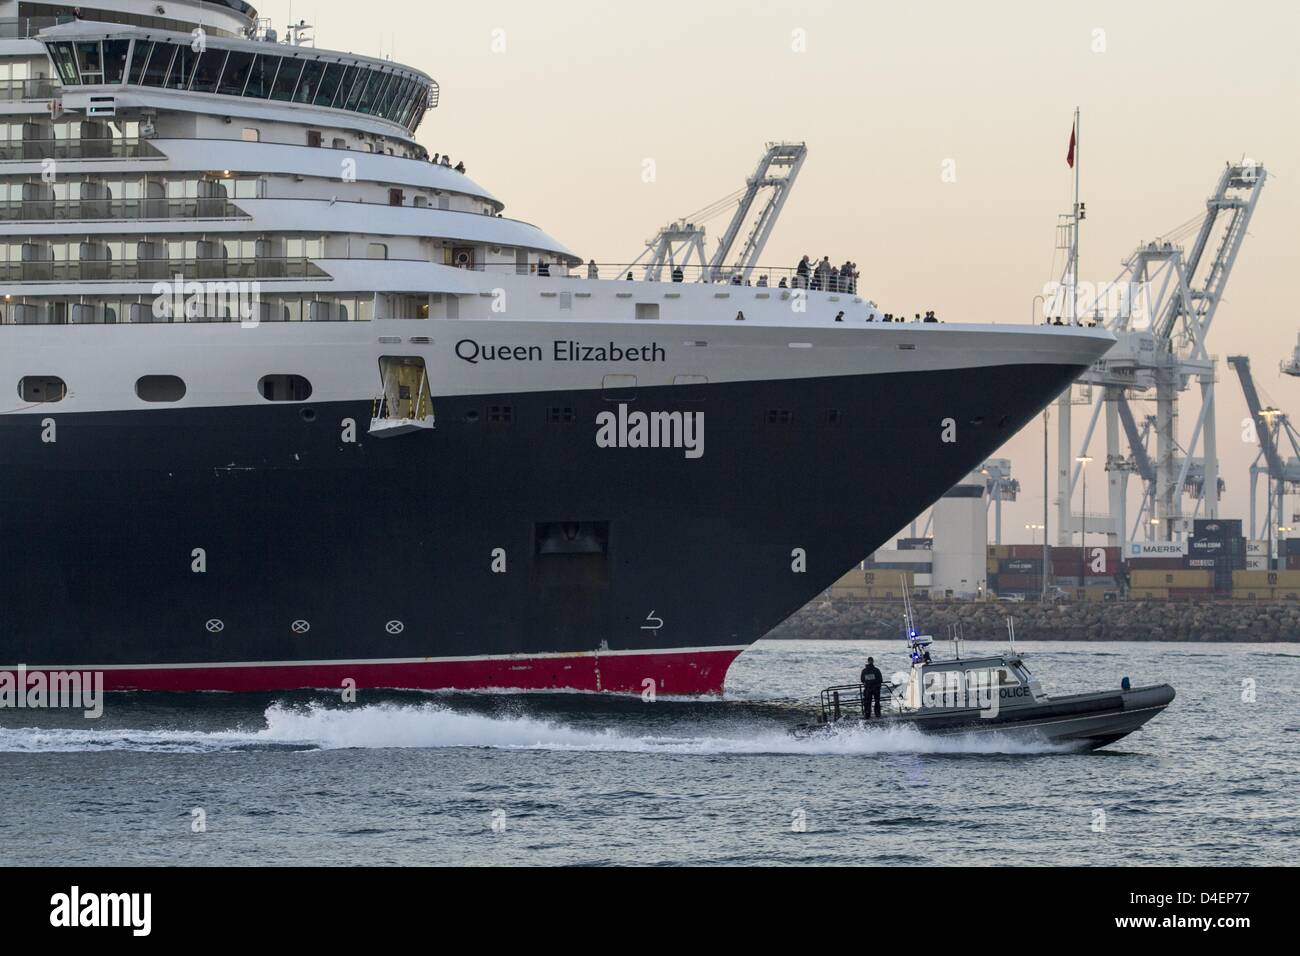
[557,107]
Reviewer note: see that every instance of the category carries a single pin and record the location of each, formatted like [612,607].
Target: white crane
[1161,308]
[681,243]
[1282,474]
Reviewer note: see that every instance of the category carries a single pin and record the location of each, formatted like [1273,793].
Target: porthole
[284,388]
[41,388]
[159,388]
[308,414]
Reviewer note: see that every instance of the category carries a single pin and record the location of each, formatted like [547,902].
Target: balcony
[32,150]
[149,270]
[23,28]
[80,210]
[40,89]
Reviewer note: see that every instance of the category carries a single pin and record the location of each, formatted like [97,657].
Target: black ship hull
[255,547]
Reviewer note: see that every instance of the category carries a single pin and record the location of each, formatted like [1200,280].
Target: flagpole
[1078,155]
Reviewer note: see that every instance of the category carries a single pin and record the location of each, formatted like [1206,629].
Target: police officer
[872,680]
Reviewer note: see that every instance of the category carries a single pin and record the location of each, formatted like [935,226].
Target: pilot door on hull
[403,405]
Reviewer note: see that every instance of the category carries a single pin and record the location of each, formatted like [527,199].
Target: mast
[1074,271]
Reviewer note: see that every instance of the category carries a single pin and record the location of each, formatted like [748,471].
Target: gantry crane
[1160,308]
[1281,474]
[681,243]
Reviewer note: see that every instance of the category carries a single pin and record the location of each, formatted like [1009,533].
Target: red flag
[1069,156]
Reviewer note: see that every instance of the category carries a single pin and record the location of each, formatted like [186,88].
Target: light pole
[1083,461]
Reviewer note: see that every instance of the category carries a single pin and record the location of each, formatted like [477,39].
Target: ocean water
[410,778]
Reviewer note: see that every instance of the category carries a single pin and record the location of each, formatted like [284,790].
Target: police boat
[989,694]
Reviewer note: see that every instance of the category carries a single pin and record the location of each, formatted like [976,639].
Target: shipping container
[1216,528]
[1268,579]
[1018,582]
[1190,594]
[1156,564]
[1155,549]
[999,551]
[1289,546]
[1026,551]
[1021,565]
[915,544]
[1186,578]
[1150,594]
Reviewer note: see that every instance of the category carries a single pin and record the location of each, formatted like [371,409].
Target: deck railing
[30,150]
[23,28]
[41,88]
[80,210]
[84,270]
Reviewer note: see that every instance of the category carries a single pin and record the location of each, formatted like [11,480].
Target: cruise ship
[293,403]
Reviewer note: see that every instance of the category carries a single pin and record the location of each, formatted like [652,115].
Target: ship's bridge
[231,18]
[88,54]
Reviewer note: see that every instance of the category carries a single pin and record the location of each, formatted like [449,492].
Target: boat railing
[847,700]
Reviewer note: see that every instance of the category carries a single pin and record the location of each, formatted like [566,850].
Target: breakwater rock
[1120,621]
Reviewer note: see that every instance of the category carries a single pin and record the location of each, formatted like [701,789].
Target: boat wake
[435,726]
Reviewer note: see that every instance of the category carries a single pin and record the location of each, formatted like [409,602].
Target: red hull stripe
[683,673]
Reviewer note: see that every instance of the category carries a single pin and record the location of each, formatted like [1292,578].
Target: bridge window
[41,388]
[208,71]
[287,79]
[90,63]
[358,87]
[261,75]
[159,388]
[284,388]
[115,54]
[61,53]
[160,61]
[328,86]
[183,67]
[238,66]
[348,81]
[309,82]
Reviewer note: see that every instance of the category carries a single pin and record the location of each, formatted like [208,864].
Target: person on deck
[872,680]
